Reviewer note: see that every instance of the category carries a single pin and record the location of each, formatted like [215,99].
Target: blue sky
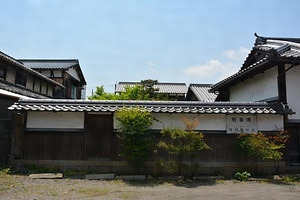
[189,41]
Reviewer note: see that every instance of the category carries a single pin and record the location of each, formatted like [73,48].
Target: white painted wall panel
[55,120]
[293,91]
[260,87]
[269,122]
[73,73]
[206,121]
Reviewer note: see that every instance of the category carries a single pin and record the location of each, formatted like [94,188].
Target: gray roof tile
[49,63]
[279,48]
[152,106]
[22,66]
[164,88]
[201,91]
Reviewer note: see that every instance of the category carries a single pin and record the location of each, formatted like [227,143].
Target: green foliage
[183,144]
[143,91]
[133,131]
[262,146]
[242,176]
[5,170]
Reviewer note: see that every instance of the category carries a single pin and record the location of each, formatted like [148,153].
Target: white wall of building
[260,87]
[72,72]
[269,122]
[55,120]
[211,122]
[293,91]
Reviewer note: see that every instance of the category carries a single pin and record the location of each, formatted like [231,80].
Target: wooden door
[99,129]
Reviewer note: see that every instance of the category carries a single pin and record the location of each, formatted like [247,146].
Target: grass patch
[93,191]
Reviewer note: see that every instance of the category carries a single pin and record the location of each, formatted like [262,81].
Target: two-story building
[18,81]
[270,73]
[64,71]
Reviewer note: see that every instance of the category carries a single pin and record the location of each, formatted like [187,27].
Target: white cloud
[151,64]
[216,70]
[237,55]
[212,68]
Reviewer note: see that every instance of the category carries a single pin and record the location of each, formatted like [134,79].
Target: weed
[244,176]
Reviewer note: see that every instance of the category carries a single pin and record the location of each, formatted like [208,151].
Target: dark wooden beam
[281,81]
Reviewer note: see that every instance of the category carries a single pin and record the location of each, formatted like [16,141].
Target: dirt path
[22,187]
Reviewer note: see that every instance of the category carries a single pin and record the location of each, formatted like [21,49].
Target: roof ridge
[263,40]
[47,60]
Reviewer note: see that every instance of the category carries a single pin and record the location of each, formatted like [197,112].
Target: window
[2,72]
[21,78]
[73,92]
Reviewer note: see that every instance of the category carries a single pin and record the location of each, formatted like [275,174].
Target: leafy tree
[143,91]
[183,144]
[133,131]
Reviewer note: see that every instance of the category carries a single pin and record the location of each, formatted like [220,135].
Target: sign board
[237,124]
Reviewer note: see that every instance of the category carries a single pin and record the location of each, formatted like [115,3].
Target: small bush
[242,176]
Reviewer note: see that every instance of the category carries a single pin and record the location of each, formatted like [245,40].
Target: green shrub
[133,131]
[183,144]
[242,176]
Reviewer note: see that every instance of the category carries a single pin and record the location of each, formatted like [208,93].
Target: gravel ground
[22,187]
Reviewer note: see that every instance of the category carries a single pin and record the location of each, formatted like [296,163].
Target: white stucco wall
[268,122]
[260,87]
[210,122]
[72,72]
[55,120]
[293,91]
[46,72]
[206,122]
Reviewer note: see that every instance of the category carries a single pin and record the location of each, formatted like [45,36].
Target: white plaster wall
[267,122]
[293,91]
[206,121]
[260,87]
[72,72]
[55,120]
[57,73]
[46,72]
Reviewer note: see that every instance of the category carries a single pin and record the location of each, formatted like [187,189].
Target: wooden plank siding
[98,141]
[53,145]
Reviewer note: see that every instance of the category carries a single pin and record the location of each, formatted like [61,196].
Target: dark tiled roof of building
[201,91]
[152,106]
[22,66]
[20,90]
[285,49]
[165,88]
[47,64]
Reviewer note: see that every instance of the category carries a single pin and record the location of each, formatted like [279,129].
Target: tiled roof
[201,91]
[22,66]
[165,88]
[54,64]
[20,90]
[49,63]
[152,106]
[287,49]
